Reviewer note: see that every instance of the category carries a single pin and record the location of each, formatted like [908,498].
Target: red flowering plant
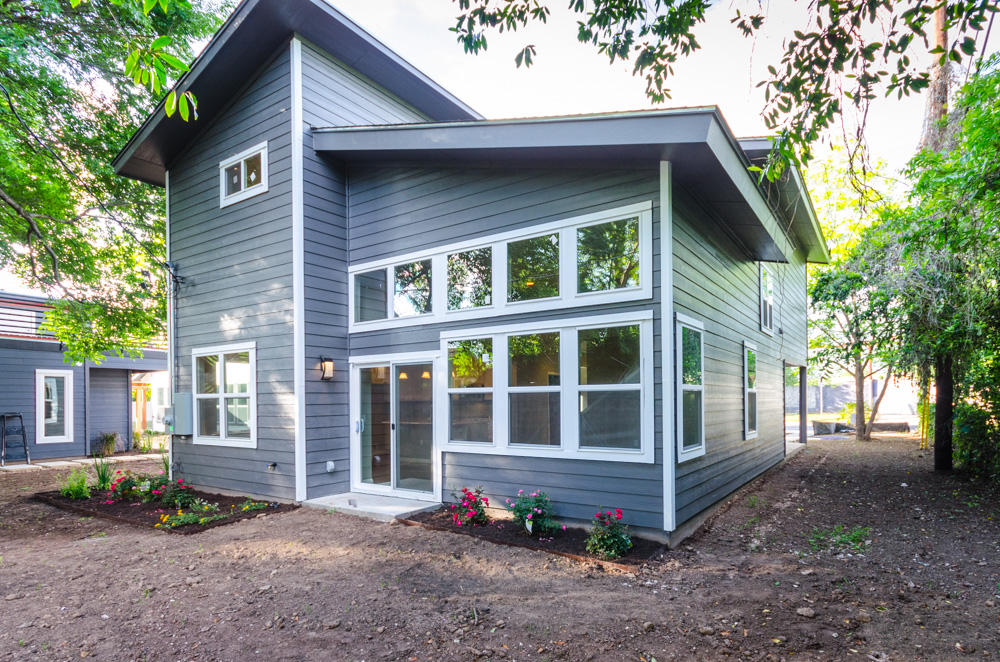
[609,537]
[470,507]
[533,512]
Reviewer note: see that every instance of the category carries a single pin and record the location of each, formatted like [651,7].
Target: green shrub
[177,494]
[977,441]
[609,538]
[533,512]
[104,472]
[75,485]
[106,443]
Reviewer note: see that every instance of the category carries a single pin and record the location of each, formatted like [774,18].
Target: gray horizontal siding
[237,268]
[402,210]
[715,282]
[110,403]
[332,95]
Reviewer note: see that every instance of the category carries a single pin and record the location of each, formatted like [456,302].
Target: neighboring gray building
[65,406]
[601,307]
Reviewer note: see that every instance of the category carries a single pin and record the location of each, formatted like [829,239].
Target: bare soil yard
[772,577]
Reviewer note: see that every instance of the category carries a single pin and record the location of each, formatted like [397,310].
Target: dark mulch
[571,543]
[147,515]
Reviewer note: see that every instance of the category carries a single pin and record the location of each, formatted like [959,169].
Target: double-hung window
[766,299]
[534,391]
[610,389]
[243,175]
[749,390]
[690,396]
[470,390]
[53,406]
[225,395]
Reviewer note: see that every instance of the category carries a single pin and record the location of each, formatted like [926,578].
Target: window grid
[695,450]
[243,175]
[227,401]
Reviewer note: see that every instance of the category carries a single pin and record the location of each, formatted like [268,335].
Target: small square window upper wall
[243,175]
[53,406]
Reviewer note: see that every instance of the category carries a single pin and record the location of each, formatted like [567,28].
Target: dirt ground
[309,585]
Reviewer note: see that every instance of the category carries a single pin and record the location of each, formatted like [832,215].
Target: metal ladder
[12,430]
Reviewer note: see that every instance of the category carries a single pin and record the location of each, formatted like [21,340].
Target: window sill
[555,452]
[227,443]
[54,440]
[242,195]
[690,454]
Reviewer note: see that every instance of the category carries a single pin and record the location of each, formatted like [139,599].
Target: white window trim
[221,440]
[567,298]
[68,414]
[765,313]
[569,389]
[747,432]
[682,321]
[244,193]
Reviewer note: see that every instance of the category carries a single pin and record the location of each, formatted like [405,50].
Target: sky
[569,77]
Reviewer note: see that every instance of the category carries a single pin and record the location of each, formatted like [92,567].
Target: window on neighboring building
[53,406]
[610,389]
[690,388]
[607,256]
[470,390]
[534,392]
[766,299]
[533,268]
[749,390]
[412,289]
[470,279]
[225,395]
[243,175]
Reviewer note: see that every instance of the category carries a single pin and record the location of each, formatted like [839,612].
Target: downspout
[171,331]
[86,408]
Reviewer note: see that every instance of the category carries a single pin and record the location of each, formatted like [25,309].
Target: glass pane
[534,359]
[752,411]
[610,419]
[608,256]
[237,369]
[413,289]
[206,376]
[238,418]
[233,179]
[751,368]
[470,279]
[470,363]
[370,296]
[208,417]
[609,356]
[471,417]
[252,171]
[55,406]
[376,440]
[534,418]
[691,409]
[533,268]
[690,356]
[414,417]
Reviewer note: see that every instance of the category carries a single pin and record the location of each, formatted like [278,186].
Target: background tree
[76,79]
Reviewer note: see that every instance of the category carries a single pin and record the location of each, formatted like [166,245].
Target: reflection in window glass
[55,406]
[251,171]
[751,368]
[470,390]
[471,417]
[608,256]
[691,352]
[534,359]
[470,363]
[208,417]
[533,367]
[470,279]
[752,411]
[370,296]
[609,356]
[691,409]
[533,268]
[206,375]
[412,293]
[611,419]
[237,368]
[238,418]
[233,179]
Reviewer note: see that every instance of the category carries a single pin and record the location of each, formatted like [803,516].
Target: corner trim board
[298,271]
[667,344]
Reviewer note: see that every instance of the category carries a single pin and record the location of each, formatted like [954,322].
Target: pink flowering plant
[609,537]
[470,507]
[533,512]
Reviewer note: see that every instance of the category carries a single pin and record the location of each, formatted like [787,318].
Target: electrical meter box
[180,417]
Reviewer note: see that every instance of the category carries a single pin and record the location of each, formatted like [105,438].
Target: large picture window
[243,175]
[53,406]
[690,342]
[595,259]
[749,390]
[578,388]
[225,387]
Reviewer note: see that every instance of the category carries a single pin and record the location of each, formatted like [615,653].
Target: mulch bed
[571,543]
[147,515]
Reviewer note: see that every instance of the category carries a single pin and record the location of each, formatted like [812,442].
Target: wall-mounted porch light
[326,366]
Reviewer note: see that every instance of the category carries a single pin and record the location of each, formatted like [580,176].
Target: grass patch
[840,537]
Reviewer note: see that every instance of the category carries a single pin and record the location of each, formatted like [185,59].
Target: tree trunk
[859,400]
[933,137]
[944,386]
[876,402]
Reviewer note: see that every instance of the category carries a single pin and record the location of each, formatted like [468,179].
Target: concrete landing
[373,506]
[57,464]
[21,467]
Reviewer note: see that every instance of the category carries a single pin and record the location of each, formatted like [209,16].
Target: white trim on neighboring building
[298,272]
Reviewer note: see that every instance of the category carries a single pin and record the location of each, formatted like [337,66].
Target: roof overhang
[251,35]
[705,157]
[792,198]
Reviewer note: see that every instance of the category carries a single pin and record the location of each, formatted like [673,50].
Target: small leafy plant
[471,507]
[202,515]
[165,462]
[251,505]
[609,538]
[104,472]
[106,443]
[840,536]
[75,485]
[534,513]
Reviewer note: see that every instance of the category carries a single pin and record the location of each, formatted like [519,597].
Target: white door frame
[435,358]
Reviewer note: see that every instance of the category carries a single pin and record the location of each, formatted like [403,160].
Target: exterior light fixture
[326,366]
